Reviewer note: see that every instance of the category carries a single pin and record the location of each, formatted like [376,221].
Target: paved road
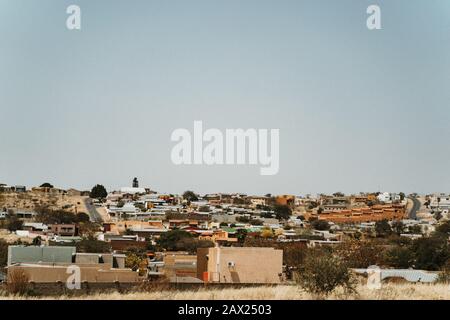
[416,206]
[93,213]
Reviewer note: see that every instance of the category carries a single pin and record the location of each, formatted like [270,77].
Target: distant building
[364,214]
[440,201]
[5,188]
[128,190]
[20,189]
[69,230]
[259,201]
[135,183]
[387,197]
[26,215]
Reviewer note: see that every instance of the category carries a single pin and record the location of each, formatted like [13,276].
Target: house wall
[48,274]
[251,265]
[180,265]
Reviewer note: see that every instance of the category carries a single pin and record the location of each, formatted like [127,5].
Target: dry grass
[29,200]
[17,282]
[283,292]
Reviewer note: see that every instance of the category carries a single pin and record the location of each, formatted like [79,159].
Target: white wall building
[440,201]
[387,197]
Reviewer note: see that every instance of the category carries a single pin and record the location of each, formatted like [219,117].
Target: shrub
[400,257]
[282,212]
[431,253]
[17,282]
[360,254]
[93,246]
[444,275]
[322,272]
[3,253]
[320,225]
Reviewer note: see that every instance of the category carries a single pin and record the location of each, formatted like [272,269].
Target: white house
[440,201]
[130,190]
[387,197]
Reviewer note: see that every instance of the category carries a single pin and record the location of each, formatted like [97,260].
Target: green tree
[82,217]
[93,246]
[3,253]
[46,185]
[13,223]
[190,196]
[88,229]
[192,244]
[322,272]
[170,239]
[438,215]
[398,227]
[400,257]
[98,191]
[134,260]
[360,254]
[382,228]
[49,216]
[320,225]
[282,212]
[241,234]
[444,228]
[431,253]
[294,254]
[37,241]
[338,194]
[415,229]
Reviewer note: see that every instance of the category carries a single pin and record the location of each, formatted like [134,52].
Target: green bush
[322,272]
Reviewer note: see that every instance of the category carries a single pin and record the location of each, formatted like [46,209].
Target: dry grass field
[30,200]
[387,292]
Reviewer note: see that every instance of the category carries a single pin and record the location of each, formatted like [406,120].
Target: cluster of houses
[138,217]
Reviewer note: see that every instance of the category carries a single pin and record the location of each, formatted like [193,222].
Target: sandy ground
[29,200]
[103,213]
[12,237]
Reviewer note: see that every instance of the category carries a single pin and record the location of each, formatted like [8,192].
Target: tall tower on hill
[135,183]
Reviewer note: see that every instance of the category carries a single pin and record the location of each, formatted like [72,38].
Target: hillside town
[131,236]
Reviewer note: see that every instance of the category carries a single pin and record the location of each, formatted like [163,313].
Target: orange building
[122,226]
[218,236]
[365,214]
[285,200]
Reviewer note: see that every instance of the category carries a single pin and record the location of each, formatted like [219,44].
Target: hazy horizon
[358,110]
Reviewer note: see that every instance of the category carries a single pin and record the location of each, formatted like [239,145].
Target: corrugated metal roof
[407,274]
[30,254]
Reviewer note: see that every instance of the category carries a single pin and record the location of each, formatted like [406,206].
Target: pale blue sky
[357,110]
